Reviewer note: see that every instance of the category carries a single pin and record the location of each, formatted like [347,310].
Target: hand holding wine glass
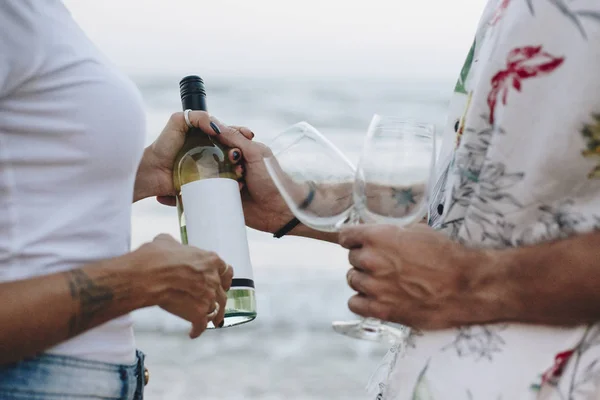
[325,191]
[412,275]
[391,188]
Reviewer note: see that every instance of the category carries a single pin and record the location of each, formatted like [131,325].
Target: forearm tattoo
[92,297]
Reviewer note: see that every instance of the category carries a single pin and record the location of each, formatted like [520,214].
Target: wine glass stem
[353,218]
[371,324]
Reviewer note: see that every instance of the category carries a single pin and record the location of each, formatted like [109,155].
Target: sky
[381,38]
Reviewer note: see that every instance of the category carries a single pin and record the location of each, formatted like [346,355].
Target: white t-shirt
[71,137]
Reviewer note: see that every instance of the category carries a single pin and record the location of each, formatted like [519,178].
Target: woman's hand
[186,281]
[420,278]
[264,208]
[155,172]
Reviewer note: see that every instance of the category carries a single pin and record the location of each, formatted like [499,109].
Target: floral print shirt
[520,165]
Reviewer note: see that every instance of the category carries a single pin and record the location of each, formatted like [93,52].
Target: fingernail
[236,155]
[222,324]
[252,134]
[215,128]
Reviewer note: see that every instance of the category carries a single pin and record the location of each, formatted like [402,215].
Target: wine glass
[303,160]
[394,168]
[391,187]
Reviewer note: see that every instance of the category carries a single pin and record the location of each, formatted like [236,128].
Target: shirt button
[440,209]
[456,125]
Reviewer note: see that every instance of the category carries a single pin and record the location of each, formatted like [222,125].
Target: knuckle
[187,270]
[186,274]
[149,247]
[357,282]
[212,280]
[370,287]
[264,149]
[176,118]
[163,236]
[216,282]
[210,296]
[366,261]
[204,304]
[352,256]
[200,283]
[231,273]
[213,258]
[201,116]
[352,306]
[357,305]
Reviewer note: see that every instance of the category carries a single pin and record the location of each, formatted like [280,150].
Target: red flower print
[555,372]
[499,12]
[521,63]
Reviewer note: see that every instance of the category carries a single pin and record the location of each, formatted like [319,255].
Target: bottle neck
[197,103]
[194,102]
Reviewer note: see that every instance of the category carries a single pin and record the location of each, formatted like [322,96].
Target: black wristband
[303,206]
[286,228]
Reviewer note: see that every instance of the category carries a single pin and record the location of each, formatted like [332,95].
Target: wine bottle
[209,206]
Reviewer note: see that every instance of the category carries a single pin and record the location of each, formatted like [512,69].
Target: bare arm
[421,278]
[552,284]
[37,313]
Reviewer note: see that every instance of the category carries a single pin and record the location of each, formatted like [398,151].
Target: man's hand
[155,172]
[419,278]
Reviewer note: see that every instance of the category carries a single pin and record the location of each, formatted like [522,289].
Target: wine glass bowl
[396,165]
[304,161]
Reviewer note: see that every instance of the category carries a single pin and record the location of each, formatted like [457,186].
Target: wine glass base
[358,330]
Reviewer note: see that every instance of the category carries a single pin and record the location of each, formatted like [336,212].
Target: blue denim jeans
[53,377]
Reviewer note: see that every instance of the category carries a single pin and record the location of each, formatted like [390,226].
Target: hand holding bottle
[155,172]
[186,281]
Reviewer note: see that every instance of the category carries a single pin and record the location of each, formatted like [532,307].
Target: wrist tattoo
[92,298]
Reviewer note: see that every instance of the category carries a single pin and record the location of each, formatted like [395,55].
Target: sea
[289,351]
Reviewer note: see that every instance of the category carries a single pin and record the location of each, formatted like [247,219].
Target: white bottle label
[215,222]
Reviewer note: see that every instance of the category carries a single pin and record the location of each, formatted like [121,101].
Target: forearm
[38,313]
[304,231]
[334,199]
[143,179]
[550,284]
[327,200]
